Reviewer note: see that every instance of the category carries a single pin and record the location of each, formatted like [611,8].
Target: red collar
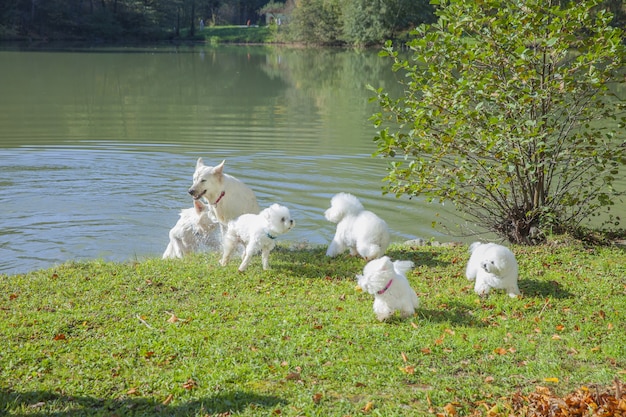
[219,198]
[380,292]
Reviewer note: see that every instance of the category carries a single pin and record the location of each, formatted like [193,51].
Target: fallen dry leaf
[404,357]
[368,407]
[293,376]
[500,351]
[408,370]
[450,409]
[168,399]
[317,398]
[190,384]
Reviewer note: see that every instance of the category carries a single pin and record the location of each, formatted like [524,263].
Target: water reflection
[97,147]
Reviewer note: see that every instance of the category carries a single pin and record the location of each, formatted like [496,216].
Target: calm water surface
[98,146]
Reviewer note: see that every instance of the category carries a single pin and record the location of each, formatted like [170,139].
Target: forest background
[320,22]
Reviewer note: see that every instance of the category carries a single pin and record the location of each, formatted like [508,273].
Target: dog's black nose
[190,191]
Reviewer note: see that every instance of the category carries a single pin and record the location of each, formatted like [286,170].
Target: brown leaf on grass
[168,400]
[426,351]
[59,336]
[404,357]
[148,355]
[293,376]
[500,351]
[317,398]
[368,407]
[190,384]
[559,328]
[173,318]
[133,391]
[450,409]
[13,296]
[582,402]
[489,380]
[408,370]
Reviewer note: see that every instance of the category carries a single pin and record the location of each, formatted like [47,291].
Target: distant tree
[507,114]
[317,21]
[369,22]
[365,22]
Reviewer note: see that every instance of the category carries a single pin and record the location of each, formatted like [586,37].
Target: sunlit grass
[191,338]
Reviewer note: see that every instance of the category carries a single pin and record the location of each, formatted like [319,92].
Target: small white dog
[492,266]
[392,292]
[257,232]
[196,226]
[228,197]
[359,230]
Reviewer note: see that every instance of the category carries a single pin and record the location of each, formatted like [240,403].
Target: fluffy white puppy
[359,230]
[492,266]
[196,226]
[228,197]
[392,292]
[257,232]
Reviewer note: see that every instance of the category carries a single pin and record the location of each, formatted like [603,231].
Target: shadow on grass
[457,313]
[543,289]
[419,257]
[313,262]
[45,403]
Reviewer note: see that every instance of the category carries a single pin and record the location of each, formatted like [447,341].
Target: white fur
[359,230]
[492,266]
[257,232]
[195,226]
[387,282]
[228,197]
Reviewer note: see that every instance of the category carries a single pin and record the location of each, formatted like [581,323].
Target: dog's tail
[402,267]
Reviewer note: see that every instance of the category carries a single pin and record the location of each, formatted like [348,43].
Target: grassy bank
[189,338]
[235,34]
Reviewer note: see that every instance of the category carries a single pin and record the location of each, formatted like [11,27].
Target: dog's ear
[218,169]
[200,163]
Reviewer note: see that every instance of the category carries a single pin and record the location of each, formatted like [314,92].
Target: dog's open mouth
[199,196]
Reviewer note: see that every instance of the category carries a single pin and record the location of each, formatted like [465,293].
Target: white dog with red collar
[227,196]
[387,282]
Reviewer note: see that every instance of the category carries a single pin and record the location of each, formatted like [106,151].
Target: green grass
[234,34]
[189,338]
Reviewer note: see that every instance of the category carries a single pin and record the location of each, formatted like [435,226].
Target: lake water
[98,146]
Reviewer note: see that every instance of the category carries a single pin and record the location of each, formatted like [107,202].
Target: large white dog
[359,230]
[195,227]
[492,266]
[387,282]
[228,197]
[257,232]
